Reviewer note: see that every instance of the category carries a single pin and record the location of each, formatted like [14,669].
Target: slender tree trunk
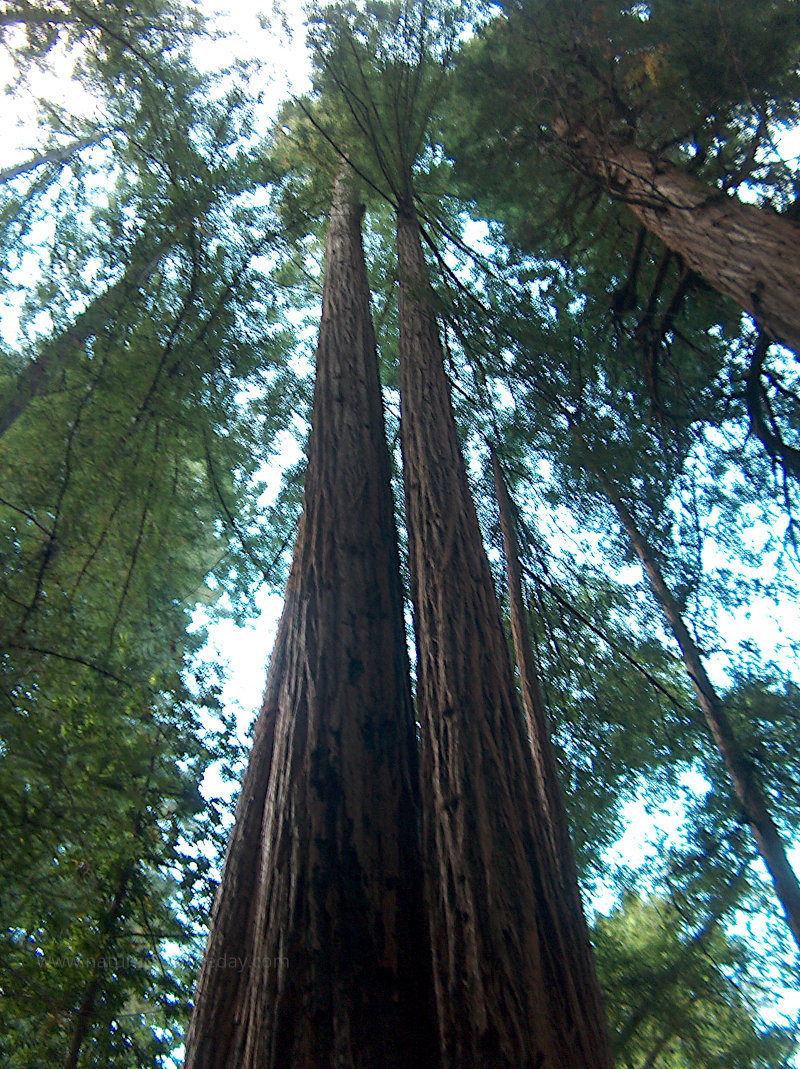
[551,796]
[658,1047]
[544,758]
[742,775]
[54,155]
[83,1018]
[59,353]
[748,253]
[108,930]
[511,989]
[331,925]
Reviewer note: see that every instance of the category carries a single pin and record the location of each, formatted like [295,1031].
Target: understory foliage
[159,265]
[144,379]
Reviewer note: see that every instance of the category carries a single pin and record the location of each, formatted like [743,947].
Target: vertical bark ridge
[336,946]
[532,698]
[511,989]
[544,757]
[214,1037]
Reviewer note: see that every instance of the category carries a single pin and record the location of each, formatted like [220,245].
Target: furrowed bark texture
[740,771]
[748,253]
[511,990]
[338,967]
[533,705]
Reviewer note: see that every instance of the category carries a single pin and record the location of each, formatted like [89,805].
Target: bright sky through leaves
[274,68]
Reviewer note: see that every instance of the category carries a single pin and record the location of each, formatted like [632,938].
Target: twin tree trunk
[515,981]
[747,253]
[319,954]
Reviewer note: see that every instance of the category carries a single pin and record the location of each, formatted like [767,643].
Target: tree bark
[331,922]
[544,758]
[740,771]
[512,988]
[218,1016]
[750,254]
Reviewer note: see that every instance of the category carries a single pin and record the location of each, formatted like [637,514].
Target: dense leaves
[159,261]
[145,380]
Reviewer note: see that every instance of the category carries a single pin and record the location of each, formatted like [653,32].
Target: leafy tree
[665,110]
[673,994]
[128,456]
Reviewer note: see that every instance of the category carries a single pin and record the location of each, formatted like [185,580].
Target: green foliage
[165,265]
[706,84]
[150,380]
[675,993]
[379,72]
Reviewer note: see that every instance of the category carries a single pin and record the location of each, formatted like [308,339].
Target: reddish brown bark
[740,771]
[512,989]
[214,1036]
[330,913]
[747,253]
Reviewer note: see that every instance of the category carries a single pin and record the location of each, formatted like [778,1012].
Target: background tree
[666,111]
[124,476]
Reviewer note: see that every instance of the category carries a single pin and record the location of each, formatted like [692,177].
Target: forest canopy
[584,216]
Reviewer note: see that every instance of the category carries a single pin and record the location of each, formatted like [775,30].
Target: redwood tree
[321,900]
[515,980]
[745,252]
[665,107]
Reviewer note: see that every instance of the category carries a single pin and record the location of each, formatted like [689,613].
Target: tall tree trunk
[331,923]
[544,757]
[60,154]
[742,775]
[512,988]
[59,353]
[551,796]
[221,995]
[748,253]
